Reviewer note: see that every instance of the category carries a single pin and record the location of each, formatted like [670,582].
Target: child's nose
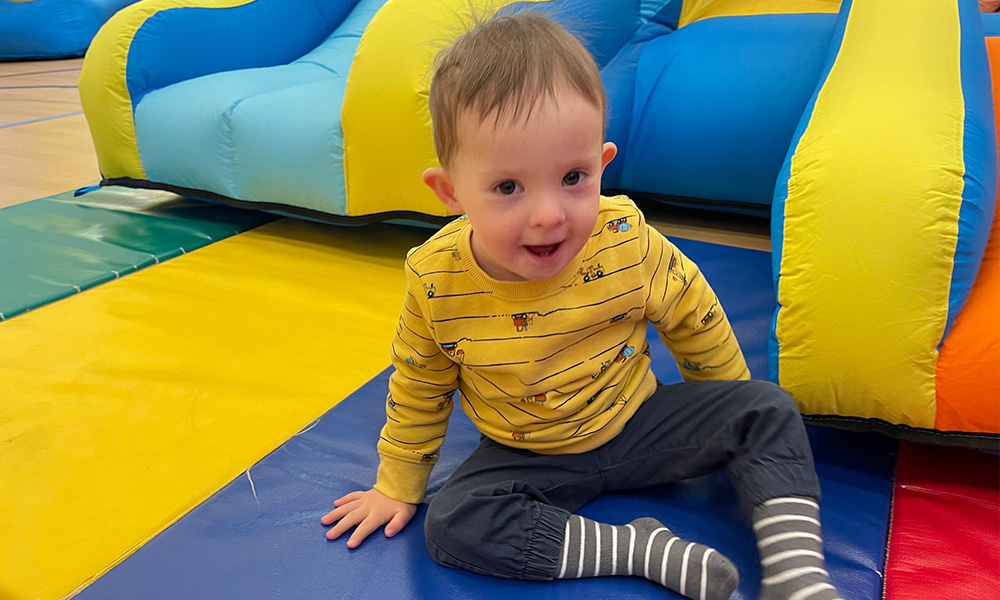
[548,212]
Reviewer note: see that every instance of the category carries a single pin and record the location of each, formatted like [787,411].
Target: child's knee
[444,531]
[436,520]
[772,398]
[450,532]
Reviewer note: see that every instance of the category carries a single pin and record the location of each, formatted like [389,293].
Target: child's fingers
[343,507]
[336,514]
[399,520]
[333,516]
[344,523]
[348,498]
[364,529]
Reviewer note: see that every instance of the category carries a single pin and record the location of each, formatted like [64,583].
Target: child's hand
[369,511]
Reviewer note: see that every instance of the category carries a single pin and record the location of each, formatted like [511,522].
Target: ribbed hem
[545,543]
[401,480]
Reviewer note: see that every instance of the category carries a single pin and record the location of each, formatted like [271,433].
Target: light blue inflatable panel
[241,127]
[52,28]
[716,104]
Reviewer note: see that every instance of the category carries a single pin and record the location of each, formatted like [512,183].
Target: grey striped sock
[645,548]
[791,551]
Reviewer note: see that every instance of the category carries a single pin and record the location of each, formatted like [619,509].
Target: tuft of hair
[503,67]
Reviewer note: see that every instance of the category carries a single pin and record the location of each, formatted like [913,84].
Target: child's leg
[772,469]
[647,549]
[753,430]
[504,512]
[791,550]
[507,513]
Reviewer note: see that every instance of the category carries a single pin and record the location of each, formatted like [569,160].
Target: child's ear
[608,152]
[437,179]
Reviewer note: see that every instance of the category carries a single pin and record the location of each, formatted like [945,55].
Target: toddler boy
[534,306]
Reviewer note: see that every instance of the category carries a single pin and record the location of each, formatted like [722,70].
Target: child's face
[530,187]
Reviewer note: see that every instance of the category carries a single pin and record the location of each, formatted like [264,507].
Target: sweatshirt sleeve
[687,314]
[418,404]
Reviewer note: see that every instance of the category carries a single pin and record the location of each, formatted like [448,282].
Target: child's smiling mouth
[543,251]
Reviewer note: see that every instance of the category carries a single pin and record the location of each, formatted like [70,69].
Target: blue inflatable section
[52,28]
[712,123]
[299,102]
[980,151]
[188,42]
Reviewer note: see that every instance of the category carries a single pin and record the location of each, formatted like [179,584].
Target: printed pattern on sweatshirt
[553,366]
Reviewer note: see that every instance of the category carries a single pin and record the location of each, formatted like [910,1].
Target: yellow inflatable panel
[695,10]
[387,126]
[126,406]
[877,178]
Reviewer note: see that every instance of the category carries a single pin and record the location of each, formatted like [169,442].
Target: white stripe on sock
[614,550]
[791,574]
[789,500]
[663,563]
[631,546]
[704,573]
[649,547]
[684,567]
[810,590]
[757,526]
[597,542]
[789,535]
[583,539]
[770,560]
[562,571]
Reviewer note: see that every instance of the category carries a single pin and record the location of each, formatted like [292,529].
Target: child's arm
[419,402]
[417,409]
[368,511]
[688,316]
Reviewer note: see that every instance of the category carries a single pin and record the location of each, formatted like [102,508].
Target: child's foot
[646,548]
[791,551]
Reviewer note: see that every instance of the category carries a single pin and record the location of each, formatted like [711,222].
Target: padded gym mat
[55,247]
[260,535]
[945,540]
[128,405]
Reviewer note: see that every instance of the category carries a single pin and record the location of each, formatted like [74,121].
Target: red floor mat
[944,543]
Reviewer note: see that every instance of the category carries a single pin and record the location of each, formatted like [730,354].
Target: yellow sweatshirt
[554,366]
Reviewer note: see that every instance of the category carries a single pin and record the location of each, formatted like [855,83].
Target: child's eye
[573,178]
[506,188]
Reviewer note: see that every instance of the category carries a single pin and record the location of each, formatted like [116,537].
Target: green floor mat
[59,246]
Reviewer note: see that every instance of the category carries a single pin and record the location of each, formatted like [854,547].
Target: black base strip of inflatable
[279,208]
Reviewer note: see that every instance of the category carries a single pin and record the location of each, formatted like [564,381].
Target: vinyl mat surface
[178,432]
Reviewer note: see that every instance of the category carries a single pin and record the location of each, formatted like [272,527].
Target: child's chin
[540,272]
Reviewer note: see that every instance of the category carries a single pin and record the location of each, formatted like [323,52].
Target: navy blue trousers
[503,512]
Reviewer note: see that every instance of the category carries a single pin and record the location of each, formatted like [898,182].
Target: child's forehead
[544,145]
[516,110]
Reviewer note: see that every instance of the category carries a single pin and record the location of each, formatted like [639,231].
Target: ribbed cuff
[545,543]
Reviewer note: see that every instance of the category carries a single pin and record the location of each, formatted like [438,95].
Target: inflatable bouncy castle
[864,128]
[32,29]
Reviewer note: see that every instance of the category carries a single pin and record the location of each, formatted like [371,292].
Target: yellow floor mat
[123,407]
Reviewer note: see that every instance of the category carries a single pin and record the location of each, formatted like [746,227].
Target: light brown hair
[503,67]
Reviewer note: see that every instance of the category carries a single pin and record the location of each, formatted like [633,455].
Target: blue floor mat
[260,536]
